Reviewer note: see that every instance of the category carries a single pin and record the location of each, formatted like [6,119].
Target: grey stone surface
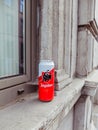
[91,84]
[84,52]
[61,79]
[83,111]
[67,122]
[74,37]
[46,25]
[95,116]
[68,36]
[29,113]
[86,11]
[95,58]
[58,41]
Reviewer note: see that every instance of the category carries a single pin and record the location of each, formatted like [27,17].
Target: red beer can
[46,80]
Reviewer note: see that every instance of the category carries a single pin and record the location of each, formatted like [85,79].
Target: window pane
[12,42]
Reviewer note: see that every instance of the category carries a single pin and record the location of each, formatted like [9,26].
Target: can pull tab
[46,76]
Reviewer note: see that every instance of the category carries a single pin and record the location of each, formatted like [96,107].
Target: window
[8,2]
[14,42]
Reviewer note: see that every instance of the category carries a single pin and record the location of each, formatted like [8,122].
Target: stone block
[82,114]
[84,52]
[86,11]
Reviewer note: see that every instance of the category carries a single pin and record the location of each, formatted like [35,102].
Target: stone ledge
[61,79]
[29,113]
[60,75]
[91,84]
[61,85]
[90,91]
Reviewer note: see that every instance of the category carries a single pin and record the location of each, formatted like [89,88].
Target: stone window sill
[91,84]
[29,113]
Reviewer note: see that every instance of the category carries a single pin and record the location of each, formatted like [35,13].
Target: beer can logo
[46,76]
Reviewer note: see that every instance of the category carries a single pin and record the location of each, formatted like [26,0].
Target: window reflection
[21,5]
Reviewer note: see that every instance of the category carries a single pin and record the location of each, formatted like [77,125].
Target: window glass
[12,38]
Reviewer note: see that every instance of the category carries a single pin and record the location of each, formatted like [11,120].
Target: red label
[46,85]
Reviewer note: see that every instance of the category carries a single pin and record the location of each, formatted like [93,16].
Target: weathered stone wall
[67,123]
[82,113]
[84,52]
[87,33]
[58,37]
[74,36]
[58,42]
[95,59]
